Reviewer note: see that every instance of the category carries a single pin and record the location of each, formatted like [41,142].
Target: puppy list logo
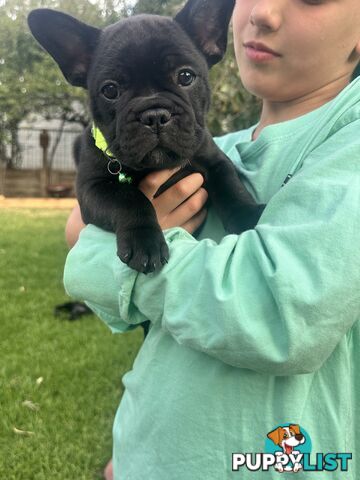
[287,449]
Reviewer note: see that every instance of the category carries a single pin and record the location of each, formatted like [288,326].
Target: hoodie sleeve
[276,299]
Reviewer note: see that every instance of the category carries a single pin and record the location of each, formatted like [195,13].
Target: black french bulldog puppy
[147,78]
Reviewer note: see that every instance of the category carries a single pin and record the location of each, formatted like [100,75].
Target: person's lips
[259,52]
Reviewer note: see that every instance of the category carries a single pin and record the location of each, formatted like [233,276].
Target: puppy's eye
[186,77]
[110,91]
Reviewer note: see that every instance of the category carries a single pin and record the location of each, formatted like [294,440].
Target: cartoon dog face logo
[287,438]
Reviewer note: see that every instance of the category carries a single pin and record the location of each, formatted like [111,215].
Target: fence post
[44,174]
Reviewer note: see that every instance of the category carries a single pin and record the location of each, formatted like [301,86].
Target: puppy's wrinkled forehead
[144,47]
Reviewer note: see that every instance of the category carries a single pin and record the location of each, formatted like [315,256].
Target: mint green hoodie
[249,332]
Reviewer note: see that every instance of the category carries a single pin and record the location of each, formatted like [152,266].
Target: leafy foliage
[30,81]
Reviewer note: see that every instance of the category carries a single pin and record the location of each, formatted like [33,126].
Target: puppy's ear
[296,428]
[275,435]
[207,24]
[70,42]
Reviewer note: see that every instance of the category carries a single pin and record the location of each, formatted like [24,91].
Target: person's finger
[185,212]
[177,194]
[150,184]
[195,222]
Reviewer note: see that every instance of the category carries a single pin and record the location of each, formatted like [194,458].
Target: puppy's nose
[155,118]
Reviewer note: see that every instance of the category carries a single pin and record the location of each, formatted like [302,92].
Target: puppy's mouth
[159,158]
[288,449]
[169,145]
[155,157]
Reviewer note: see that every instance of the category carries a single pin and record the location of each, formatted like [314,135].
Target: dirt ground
[47,203]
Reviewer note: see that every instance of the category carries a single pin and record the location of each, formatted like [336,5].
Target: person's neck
[276,112]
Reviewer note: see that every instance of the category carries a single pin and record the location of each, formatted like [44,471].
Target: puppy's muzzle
[155,118]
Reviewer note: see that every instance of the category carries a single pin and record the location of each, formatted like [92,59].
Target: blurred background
[60,380]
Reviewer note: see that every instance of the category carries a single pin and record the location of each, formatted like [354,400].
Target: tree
[158,7]
[30,81]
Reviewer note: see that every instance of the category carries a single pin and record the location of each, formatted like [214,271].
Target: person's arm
[73,227]
[276,299]
[182,204]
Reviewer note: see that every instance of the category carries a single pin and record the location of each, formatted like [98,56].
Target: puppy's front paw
[143,249]
[243,218]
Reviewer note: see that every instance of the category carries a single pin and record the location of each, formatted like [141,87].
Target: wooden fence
[44,165]
[33,183]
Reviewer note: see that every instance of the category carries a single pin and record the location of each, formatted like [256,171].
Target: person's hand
[181,205]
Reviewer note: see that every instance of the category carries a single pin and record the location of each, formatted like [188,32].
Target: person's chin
[263,85]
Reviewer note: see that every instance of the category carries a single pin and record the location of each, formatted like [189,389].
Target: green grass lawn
[59,380]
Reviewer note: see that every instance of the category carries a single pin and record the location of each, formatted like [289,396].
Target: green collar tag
[123,178]
[102,145]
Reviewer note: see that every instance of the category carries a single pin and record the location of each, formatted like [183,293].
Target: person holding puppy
[254,330]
